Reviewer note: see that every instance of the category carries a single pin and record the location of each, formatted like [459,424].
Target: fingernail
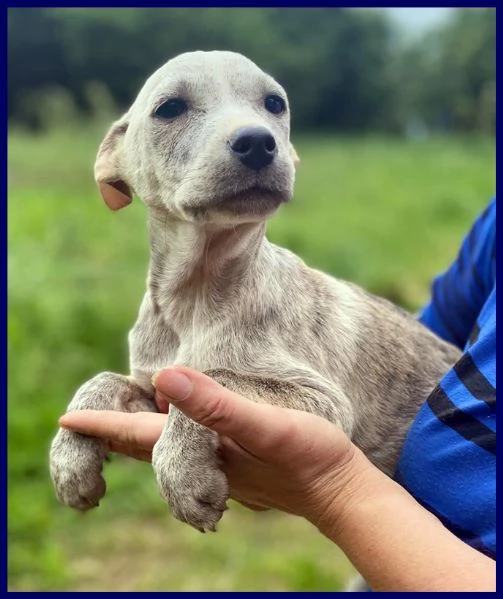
[173,384]
[63,420]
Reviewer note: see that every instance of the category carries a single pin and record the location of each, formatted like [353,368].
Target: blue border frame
[126,4]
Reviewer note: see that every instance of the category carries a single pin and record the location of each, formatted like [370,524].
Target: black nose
[254,146]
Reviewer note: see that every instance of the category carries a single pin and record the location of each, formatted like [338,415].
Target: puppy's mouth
[254,200]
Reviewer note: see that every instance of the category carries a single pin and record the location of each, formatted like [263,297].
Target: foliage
[342,67]
[450,77]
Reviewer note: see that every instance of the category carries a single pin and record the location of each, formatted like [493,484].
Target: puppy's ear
[108,168]
[294,156]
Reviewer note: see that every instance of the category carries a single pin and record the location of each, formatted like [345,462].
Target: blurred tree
[35,60]
[449,77]
[340,66]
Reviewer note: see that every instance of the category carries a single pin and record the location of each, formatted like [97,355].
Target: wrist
[350,484]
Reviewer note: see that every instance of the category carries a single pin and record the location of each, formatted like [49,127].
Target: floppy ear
[293,155]
[108,168]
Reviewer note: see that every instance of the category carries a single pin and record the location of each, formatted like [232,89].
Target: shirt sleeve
[459,293]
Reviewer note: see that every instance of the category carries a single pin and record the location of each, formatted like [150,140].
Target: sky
[416,21]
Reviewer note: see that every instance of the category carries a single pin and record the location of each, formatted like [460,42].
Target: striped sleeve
[448,461]
[459,294]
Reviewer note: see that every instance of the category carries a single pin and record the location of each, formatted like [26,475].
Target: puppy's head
[207,139]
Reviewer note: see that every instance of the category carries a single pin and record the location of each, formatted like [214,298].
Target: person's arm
[394,542]
[302,464]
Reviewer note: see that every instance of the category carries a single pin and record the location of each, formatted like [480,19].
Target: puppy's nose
[254,146]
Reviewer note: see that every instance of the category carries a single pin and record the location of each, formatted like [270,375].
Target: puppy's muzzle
[254,147]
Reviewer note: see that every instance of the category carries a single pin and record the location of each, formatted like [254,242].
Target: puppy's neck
[206,263]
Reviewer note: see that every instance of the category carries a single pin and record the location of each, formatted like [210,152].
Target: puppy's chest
[201,346]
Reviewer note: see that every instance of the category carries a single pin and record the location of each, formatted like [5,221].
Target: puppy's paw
[76,463]
[192,483]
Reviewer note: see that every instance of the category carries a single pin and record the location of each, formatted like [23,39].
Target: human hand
[273,457]
[130,434]
[302,464]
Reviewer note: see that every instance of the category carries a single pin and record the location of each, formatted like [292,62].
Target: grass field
[385,214]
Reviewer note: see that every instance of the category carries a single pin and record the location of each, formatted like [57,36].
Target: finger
[257,427]
[139,429]
[130,452]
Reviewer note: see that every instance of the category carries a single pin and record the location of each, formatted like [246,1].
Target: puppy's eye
[171,108]
[275,104]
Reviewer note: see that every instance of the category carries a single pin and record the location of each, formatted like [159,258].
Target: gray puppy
[206,147]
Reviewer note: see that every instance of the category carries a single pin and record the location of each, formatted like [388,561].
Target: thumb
[258,428]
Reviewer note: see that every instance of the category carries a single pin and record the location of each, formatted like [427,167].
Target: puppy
[206,147]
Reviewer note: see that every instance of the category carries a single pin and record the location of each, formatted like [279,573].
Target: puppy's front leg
[76,461]
[186,463]
[185,458]
[294,389]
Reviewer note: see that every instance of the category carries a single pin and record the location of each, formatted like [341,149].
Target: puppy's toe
[77,491]
[76,463]
[196,495]
[201,515]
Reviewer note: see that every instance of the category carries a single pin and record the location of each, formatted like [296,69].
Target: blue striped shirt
[448,462]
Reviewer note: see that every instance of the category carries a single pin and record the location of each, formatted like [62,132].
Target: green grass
[386,214]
